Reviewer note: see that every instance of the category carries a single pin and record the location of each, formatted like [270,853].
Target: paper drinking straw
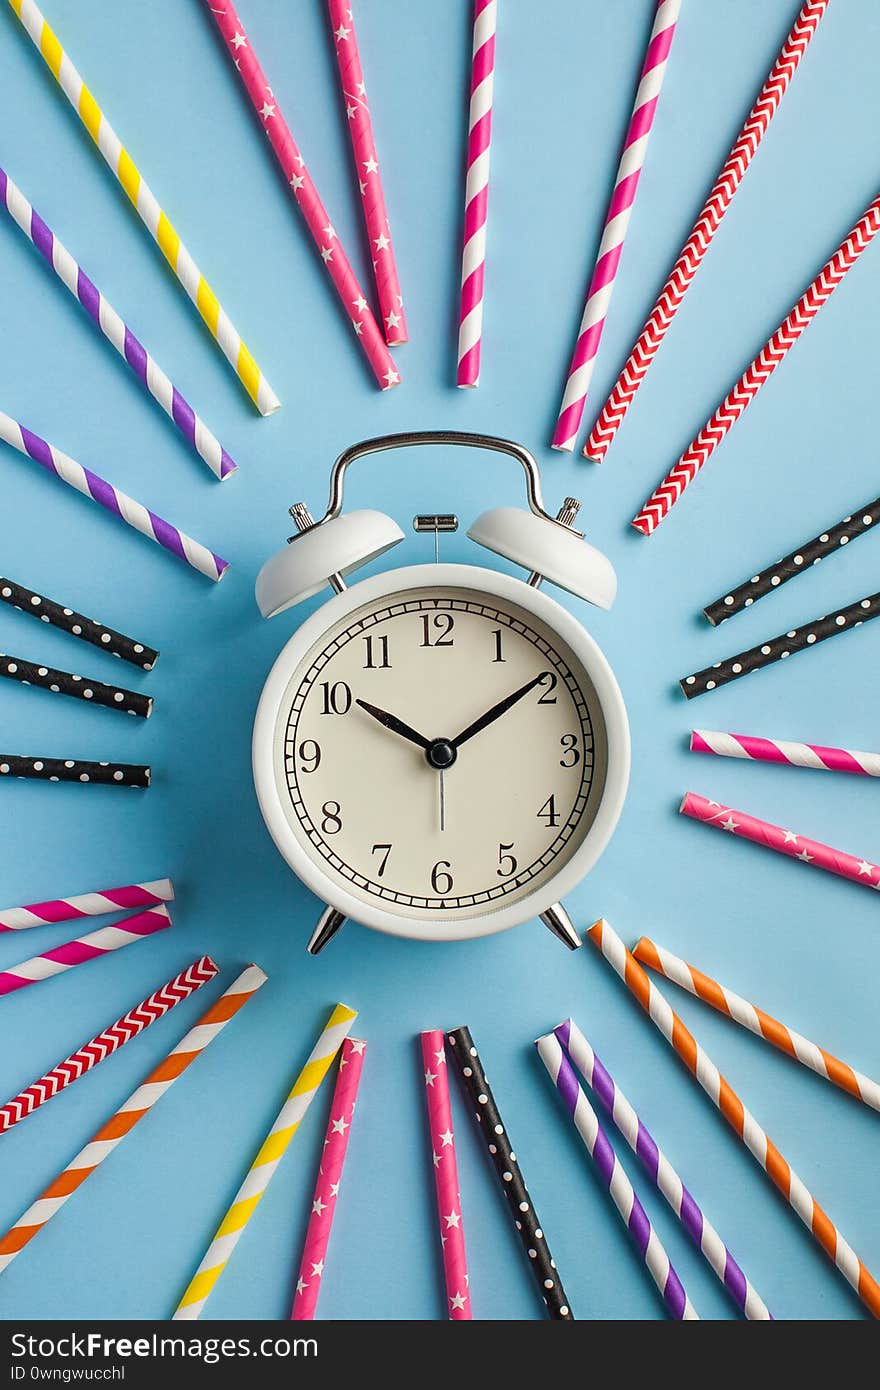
[74,770]
[703,446]
[86,629]
[108,322]
[123,1122]
[775,750]
[84,948]
[451,1227]
[507,1170]
[263,1167]
[342,1107]
[366,160]
[476,195]
[705,227]
[147,208]
[15,668]
[747,1015]
[660,1171]
[828,543]
[112,498]
[626,183]
[785,645]
[762,832]
[96,904]
[738,1117]
[613,1176]
[297,176]
[156,1005]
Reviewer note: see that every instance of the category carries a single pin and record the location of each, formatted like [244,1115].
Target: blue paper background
[802,944]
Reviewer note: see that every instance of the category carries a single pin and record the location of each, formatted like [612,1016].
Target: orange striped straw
[747,1015]
[725,1099]
[128,1114]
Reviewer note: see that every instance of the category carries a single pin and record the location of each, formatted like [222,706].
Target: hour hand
[397,726]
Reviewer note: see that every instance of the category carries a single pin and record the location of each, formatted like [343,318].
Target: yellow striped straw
[144,201]
[263,1167]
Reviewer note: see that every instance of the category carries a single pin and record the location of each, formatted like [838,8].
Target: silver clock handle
[408,438]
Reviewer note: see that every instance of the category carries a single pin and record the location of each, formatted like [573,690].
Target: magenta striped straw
[84,948]
[117,332]
[613,1176]
[476,199]
[133,513]
[626,184]
[777,750]
[96,904]
[661,1172]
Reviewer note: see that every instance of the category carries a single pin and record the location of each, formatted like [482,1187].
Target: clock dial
[440,752]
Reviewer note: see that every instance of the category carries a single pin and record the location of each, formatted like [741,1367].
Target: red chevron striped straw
[96,904]
[701,449]
[707,224]
[476,197]
[84,948]
[626,183]
[53,1082]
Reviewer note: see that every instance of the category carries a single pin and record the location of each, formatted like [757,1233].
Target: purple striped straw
[661,1172]
[108,322]
[626,184]
[632,1213]
[133,513]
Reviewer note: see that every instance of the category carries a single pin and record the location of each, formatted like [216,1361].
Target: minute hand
[496,711]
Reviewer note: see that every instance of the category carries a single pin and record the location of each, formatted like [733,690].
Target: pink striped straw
[742,826]
[86,905]
[363,145]
[293,167]
[775,750]
[84,948]
[342,1107]
[458,1297]
[476,198]
[629,171]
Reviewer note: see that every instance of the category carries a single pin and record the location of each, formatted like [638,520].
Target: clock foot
[328,925]
[561,925]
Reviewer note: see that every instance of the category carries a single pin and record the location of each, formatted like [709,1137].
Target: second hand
[442,800]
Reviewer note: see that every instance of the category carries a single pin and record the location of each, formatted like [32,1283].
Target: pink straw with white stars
[304,191]
[476,198]
[629,171]
[762,832]
[311,1269]
[363,145]
[458,1296]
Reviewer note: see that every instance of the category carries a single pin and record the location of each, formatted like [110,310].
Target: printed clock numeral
[336,697]
[384,850]
[548,813]
[309,753]
[549,681]
[441,879]
[507,864]
[437,629]
[376,654]
[571,753]
[499,650]
[332,822]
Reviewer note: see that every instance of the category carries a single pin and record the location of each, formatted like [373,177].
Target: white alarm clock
[440,751]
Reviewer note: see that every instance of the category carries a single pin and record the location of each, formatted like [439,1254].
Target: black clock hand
[396,725]
[496,711]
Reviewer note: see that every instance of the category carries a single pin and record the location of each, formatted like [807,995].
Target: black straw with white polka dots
[495,1136]
[48,611]
[778,648]
[80,687]
[862,520]
[73,770]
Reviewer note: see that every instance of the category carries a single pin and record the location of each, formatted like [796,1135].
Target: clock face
[440,753]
